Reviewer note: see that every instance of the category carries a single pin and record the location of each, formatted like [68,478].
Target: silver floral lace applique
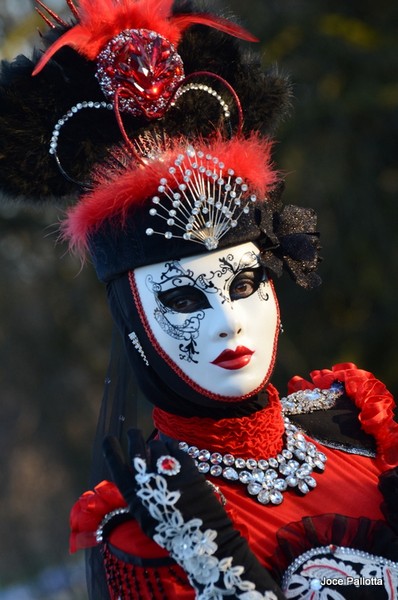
[191,547]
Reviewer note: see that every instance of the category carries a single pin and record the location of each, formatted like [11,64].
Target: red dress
[345,510]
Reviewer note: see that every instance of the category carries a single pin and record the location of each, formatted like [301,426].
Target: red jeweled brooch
[168,465]
[144,68]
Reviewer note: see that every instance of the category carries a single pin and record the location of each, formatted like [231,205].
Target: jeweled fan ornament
[201,199]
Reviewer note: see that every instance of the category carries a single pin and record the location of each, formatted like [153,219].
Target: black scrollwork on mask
[178,291]
[175,276]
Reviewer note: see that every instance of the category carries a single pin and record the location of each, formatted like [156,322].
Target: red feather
[122,189]
[219,23]
[101,20]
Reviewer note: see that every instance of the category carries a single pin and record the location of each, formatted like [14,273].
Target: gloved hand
[177,508]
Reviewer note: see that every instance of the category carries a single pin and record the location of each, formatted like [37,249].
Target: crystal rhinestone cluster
[266,479]
[306,401]
[137,345]
[145,67]
[201,200]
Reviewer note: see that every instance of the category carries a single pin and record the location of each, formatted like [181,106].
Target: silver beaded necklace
[267,479]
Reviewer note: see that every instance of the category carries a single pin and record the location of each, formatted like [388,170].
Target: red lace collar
[247,437]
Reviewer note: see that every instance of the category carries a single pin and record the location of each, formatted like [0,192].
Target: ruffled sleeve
[135,566]
[89,511]
[103,508]
[370,396]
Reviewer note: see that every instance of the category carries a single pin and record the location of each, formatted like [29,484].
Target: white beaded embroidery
[202,199]
[191,547]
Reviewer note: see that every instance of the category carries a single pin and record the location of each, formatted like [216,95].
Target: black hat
[105,114]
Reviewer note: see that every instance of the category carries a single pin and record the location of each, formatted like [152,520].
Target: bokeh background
[339,153]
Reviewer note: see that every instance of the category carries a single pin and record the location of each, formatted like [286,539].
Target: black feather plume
[31,106]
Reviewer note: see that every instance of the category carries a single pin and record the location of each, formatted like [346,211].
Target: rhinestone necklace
[266,479]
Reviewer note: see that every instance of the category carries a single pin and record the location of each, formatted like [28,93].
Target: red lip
[234,359]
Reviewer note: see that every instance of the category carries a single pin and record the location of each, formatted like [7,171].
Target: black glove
[179,510]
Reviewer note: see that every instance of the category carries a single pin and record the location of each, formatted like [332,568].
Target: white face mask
[213,318]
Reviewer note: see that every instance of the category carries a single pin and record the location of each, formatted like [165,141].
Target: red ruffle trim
[240,436]
[375,402]
[89,511]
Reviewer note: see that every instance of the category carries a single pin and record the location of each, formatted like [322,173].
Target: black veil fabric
[122,408]
[97,588]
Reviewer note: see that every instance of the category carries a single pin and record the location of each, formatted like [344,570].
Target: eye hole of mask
[245,283]
[189,299]
[184,299]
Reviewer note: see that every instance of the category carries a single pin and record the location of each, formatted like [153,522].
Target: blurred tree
[54,339]
[339,154]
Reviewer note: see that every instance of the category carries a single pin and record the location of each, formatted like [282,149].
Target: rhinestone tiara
[201,200]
